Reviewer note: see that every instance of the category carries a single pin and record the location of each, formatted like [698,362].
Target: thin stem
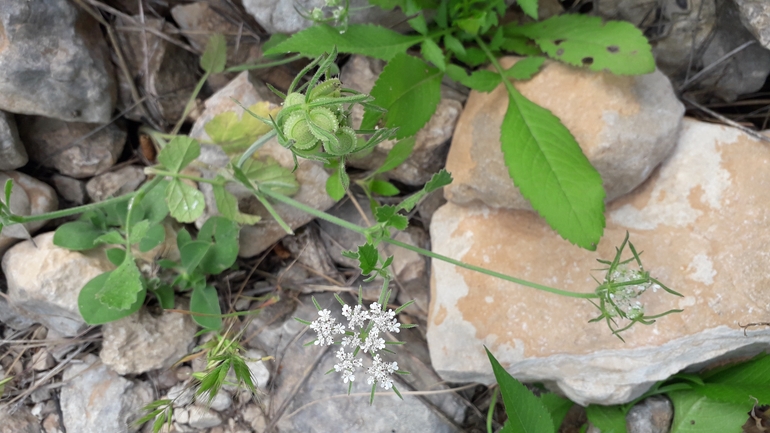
[21,219]
[361,230]
[255,146]
[284,61]
[190,103]
[152,170]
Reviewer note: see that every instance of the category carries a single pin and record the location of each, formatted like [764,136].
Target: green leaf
[454,45]
[123,286]
[192,253]
[165,295]
[529,7]
[272,175]
[206,301]
[227,205]
[410,90]
[367,258]
[756,371]
[526,413]
[418,24]
[387,4]
[390,216]
[383,188]
[154,205]
[154,237]
[549,168]
[397,155]
[582,40]
[76,235]
[482,80]
[222,254]
[520,45]
[438,180]
[694,413]
[178,153]
[183,238]
[215,56]
[433,53]
[94,312]
[557,406]
[138,231]
[473,57]
[236,134]
[735,393]
[111,237]
[185,202]
[525,68]
[609,419]
[275,39]
[370,40]
[116,256]
[334,186]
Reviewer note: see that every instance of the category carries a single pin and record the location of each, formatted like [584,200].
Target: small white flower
[356,316]
[347,365]
[325,328]
[380,372]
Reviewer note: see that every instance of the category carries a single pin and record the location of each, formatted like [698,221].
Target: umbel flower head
[623,285]
[363,335]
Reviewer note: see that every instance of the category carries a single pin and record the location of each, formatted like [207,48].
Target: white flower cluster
[625,297]
[362,336]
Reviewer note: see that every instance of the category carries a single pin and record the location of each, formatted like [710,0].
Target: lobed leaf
[123,286]
[367,258]
[549,168]
[390,216]
[178,153]
[95,312]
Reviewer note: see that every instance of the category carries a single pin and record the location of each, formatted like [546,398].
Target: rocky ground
[79,79]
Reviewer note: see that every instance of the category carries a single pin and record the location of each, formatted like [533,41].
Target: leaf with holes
[410,90]
[582,40]
[551,171]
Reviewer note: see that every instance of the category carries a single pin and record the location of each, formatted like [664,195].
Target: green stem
[255,146]
[153,170]
[21,219]
[190,103]
[497,66]
[240,68]
[361,230]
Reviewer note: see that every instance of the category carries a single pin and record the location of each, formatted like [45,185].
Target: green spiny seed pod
[325,119]
[294,98]
[346,142]
[330,88]
[296,128]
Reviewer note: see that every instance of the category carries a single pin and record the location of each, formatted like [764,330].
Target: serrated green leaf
[390,216]
[227,205]
[520,45]
[582,40]
[334,186]
[271,174]
[473,57]
[454,45]
[206,301]
[154,237]
[367,258]
[694,413]
[178,153]
[482,80]
[433,53]
[439,180]
[373,41]
[185,202]
[526,413]
[76,235]
[410,90]
[111,237]
[94,312]
[609,419]
[529,7]
[549,168]
[215,56]
[123,286]
[383,188]
[418,24]
[525,68]
[398,154]
[557,406]
[224,250]
[756,371]
[138,231]
[735,393]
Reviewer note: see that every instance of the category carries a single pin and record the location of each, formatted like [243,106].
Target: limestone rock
[12,152]
[54,62]
[625,125]
[74,149]
[29,197]
[141,342]
[701,222]
[428,156]
[115,183]
[201,417]
[755,15]
[44,281]
[95,399]
[310,174]
[10,317]
[70,189]
[172,71]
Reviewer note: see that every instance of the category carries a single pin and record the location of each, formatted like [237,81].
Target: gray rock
[28,197]
[54,62]
[259,371]
[200,417]
[755,15]
[310,174]
[52,423]
[222,401]
[12,152]
[95,399]
[629,127]
[70,189]
[652,415]
[277,16]
[18,421]
[142,342]
[74,149]
[254,417]
[181,394]
[44,281]
[168,79]
[12,318]
[115,183]
[306,245]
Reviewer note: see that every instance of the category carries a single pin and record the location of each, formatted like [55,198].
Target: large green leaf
[205,300]
[185,202]
[549,168]
[526,413]
[739,383]
[222,254]
[582,40]
[695,413]
[123,286]
[373,41]
[557,406]
[94,312]
[178,153]
[609,419]
[76,235]
[410,90]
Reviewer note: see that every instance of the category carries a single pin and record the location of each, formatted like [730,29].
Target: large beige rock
[701,220]
[28,197]
[625,125]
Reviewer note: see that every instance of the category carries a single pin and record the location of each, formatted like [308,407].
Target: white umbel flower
[380,372]
[325,327]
